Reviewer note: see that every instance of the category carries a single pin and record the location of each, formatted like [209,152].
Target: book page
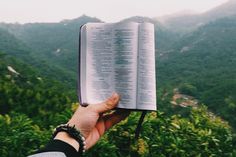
[99,62]
[146,96]
[125,43]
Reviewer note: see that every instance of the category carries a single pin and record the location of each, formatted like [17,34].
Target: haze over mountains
[187,21]
[196,49]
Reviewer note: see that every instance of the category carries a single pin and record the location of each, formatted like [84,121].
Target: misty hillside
[9,43]
[226,9]
[57,43]
[22,85]
[205,59]
[187,22]
[14,47]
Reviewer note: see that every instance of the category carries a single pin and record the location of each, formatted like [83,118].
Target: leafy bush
[19,136]
[202,134]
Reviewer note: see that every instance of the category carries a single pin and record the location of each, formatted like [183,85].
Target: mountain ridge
[188,22]
[205,60]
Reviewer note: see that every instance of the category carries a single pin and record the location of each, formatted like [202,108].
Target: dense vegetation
[29,105]
[12,46]
[32,106]
[205,60]
[38,79]
[56,43]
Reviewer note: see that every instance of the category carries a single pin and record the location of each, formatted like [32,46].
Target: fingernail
[114,96]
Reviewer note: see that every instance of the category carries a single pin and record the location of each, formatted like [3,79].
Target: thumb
[107,105]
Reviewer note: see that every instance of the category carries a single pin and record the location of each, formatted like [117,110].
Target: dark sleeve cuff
[60,146]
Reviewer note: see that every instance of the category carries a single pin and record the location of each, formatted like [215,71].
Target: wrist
[75,124]
[63,136]
[70,135]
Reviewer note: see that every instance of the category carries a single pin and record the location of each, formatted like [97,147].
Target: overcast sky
[24,11]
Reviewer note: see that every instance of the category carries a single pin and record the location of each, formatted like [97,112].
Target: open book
[118,57]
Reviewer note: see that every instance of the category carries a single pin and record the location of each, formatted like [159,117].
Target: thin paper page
[99,58]
[125,40]
[146,97]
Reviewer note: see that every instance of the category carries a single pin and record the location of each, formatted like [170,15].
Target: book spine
[79,90]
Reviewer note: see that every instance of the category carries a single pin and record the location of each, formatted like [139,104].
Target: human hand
[93,122]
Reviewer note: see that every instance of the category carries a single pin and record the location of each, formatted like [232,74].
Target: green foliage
[12,46]
[29,107]
[224,105]
[198,134]
[56,43]
[201,134]
[19,136]
[203,65]
[38,98]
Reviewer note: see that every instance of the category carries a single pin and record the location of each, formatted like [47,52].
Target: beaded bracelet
[74,133]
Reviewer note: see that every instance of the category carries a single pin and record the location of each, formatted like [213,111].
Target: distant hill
[141,19]
[224,10]
[187,22]
[57,43]
[12,46]
[206,59]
